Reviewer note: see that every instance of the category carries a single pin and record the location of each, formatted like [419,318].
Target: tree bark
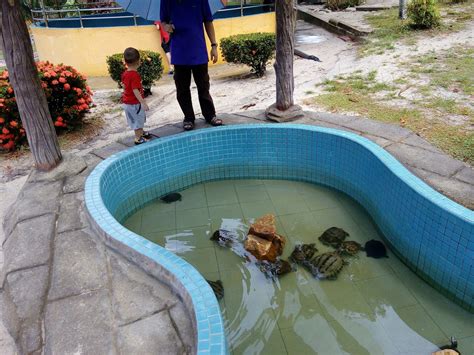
[30,97]
[285,31]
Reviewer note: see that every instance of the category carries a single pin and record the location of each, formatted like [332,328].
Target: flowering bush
[68,99]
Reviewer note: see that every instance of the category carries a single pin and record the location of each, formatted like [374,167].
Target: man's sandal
[214,121]
[147,135]
[188,125]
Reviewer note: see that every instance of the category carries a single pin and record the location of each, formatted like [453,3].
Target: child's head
[131,56]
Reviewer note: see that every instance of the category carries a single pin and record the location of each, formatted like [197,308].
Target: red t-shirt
[131,80]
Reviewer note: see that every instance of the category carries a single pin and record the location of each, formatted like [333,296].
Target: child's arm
[140,99]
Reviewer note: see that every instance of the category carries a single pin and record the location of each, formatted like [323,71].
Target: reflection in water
[374,307]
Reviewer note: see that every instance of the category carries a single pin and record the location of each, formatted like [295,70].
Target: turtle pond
[372,306]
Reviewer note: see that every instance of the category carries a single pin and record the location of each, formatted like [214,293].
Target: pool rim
[199,291]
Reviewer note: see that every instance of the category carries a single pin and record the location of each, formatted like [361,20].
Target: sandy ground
[233,90]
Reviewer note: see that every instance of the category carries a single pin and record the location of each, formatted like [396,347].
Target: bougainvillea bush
[68,97]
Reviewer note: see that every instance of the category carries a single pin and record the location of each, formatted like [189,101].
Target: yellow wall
[87,48]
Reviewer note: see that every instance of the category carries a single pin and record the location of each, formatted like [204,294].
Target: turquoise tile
[221,193]
[386,291]
[192,218]
[251,193]
[192,198]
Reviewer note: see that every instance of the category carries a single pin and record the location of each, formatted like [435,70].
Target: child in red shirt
[134,104]
[165,44]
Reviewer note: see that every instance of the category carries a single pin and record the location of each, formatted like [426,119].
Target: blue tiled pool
[433,235]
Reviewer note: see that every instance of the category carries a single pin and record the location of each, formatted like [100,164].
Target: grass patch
[353,94]
[389,29]
[452,69]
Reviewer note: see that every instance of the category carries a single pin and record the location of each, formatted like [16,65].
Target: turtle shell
[350,247]
[326,266]
[333,236]
[303,252]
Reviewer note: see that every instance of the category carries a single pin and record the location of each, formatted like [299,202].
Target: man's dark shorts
[166,46]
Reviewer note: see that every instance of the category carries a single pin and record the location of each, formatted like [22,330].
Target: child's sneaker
[141,140]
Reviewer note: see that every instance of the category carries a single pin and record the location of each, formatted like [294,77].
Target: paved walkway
[65,291]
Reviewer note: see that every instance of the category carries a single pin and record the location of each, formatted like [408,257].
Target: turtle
[217,287]
[278,268]
[303,252]
[453,346]
[223,237]
[172,197]
[349,247]
[375,249]
[325,266]
[333,236]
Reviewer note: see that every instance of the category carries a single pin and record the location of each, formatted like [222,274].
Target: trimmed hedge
[254,50]
[68,98]
[150,69]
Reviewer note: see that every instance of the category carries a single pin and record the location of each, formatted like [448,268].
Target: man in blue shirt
[184,20]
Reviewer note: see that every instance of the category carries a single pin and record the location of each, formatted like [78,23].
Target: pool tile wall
[429,232]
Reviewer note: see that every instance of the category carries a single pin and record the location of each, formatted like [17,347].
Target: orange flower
[62,80]
[60,119]
[2,120]
[9,146]
[14,123]
[55,82]
[81,101]
[67,87]
[58,124]
[5,130]
[10,90]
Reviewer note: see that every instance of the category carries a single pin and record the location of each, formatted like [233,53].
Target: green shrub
[424,13]
[341,4]
[254,50]
[150,68]
[68,95]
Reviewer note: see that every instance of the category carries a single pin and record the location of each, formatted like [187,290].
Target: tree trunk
[402,10]
[284,110]
[30,97]
[285,32]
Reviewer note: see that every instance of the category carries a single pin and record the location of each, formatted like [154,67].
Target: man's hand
[168,27]
[214,54]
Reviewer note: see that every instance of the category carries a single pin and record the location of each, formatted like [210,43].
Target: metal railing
[82,13]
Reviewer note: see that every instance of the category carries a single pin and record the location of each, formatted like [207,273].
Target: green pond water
[376,306]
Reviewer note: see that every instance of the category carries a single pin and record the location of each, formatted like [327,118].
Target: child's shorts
[135,114]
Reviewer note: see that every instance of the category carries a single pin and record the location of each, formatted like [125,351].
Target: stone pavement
[350,21]
[64,291]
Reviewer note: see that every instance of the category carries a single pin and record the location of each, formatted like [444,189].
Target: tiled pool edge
[384,157]
[180,276]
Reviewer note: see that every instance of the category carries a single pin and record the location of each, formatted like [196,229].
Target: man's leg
[182,80]
[201,78]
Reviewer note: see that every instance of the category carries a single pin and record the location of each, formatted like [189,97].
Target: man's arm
[209,26]
[165,16]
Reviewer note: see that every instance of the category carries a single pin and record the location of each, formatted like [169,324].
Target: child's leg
[138,133]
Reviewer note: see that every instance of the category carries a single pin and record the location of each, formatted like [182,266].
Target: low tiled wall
[429,232]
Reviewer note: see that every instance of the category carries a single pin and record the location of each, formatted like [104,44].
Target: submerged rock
[262,241]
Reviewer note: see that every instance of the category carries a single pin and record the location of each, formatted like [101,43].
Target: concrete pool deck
[64,291]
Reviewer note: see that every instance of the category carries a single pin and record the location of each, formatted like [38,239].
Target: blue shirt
[188,46]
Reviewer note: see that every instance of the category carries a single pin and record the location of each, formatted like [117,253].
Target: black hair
[131,55]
